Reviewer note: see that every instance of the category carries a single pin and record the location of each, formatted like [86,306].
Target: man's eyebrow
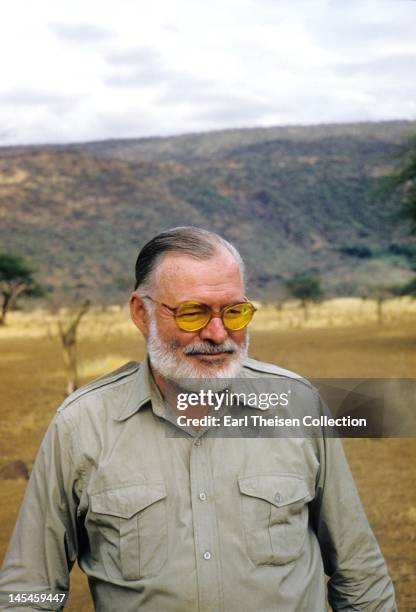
[232,303]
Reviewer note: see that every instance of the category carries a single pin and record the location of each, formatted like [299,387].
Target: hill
[290,198]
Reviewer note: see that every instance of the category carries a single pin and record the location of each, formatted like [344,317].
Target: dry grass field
[341,338]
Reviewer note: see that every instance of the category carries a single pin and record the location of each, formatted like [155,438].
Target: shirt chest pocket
[127,528]
[275,517]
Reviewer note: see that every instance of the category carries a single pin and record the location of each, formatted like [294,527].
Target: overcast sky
[77,70]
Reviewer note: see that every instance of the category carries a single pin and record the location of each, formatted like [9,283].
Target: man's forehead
[180,274]
[221,261]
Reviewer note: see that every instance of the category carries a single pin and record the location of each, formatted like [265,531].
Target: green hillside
[291,199]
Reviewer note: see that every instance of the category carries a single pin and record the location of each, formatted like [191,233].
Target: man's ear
[139,314]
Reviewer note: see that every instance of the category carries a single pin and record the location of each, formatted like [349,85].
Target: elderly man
[175,523]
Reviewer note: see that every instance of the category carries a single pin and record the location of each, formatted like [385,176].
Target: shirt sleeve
[358,577]
[44,544]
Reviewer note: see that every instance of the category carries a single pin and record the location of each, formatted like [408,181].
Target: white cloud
[82,71]
[79,33]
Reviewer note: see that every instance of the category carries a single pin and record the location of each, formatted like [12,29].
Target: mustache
[207,348]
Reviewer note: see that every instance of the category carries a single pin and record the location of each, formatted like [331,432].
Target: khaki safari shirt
[193,523]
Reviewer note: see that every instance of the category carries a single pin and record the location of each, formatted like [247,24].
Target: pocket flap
[279,490]
[126,501]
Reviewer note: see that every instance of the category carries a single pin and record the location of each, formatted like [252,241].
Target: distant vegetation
[403,180]
[16,279]
[360,251]
[407,289]
[306,287]
[291,199]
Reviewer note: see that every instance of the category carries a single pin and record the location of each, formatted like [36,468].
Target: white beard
[164,360]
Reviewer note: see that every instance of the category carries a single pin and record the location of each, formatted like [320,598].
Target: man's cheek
[239,338]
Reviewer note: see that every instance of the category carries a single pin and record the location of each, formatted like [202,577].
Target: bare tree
[68,335]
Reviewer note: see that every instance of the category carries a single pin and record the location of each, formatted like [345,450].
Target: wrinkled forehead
[180,277]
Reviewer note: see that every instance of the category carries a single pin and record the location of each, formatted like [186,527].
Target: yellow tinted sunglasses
[192,316]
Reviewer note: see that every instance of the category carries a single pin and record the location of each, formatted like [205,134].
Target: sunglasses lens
[238,316]
[192,317]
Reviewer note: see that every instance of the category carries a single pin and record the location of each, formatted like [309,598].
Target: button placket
[204,522]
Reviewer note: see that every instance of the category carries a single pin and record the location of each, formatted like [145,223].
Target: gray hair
[192,241]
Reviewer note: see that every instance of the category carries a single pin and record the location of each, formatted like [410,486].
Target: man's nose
[214,331]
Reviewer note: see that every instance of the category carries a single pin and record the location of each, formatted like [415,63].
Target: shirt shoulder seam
[115,378]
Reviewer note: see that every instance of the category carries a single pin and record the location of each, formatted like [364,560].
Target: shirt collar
[142,392]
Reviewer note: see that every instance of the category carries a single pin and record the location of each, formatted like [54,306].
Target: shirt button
[207,555]
[278,498]
[198,442]
[202,496]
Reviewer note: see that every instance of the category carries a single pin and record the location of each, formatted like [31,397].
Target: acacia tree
[306,287]
[16,279]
